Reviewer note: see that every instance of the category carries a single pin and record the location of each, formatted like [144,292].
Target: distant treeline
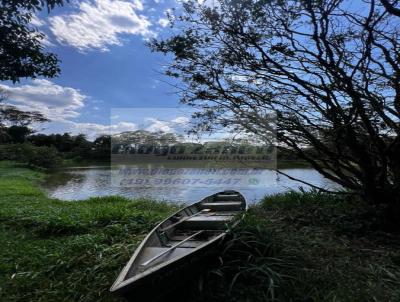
[20,144]
[172,147]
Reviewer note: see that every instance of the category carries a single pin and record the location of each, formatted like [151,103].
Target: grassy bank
[65,251]
[290,247]
[307,247]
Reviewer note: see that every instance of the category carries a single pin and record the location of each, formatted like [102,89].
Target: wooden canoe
[177,248]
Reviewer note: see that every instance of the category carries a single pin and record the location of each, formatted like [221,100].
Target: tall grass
[65,251]
[297,246]
[305,246]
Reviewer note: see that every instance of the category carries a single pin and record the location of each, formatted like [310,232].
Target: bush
[7,152]
[44,157]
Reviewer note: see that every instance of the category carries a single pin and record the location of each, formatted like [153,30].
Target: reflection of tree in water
[80,184]
[55,180]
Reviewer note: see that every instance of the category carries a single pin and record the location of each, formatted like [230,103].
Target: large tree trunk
[385,203]
[392,214]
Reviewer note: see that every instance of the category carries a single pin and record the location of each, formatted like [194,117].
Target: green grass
[290,247]
[65,251]
[310,246]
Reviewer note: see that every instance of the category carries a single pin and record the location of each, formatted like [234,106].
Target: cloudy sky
[105,65]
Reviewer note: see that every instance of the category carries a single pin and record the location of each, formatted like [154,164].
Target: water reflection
[82,183]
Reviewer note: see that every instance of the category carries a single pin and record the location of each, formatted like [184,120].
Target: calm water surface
[84,182]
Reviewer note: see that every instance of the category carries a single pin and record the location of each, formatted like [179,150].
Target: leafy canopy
[22,52]
[329,69]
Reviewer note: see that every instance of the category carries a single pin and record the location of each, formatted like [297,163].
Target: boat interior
[188,229]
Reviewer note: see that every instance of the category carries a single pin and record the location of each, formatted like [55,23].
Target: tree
[329,70]
[41,140]
[101,149]
[21,118]
[391,8]
[144,142]
[45,157]
[4,137]
[21,44]
[18,122]
[18,134]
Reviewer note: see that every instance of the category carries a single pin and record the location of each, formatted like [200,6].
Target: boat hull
[167,279]
[180,248]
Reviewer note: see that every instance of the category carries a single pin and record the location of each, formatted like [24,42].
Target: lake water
[84,182]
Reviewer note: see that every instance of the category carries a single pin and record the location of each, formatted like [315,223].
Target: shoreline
[292,245]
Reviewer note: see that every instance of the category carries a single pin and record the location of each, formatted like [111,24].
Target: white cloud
[39,24]
[99,24]
[157,125]
[60,104]
[183,120]
[177,125]
[92,130]
[35,21]
[164,22]
[56,102]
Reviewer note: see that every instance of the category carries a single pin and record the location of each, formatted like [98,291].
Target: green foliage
[47,151]
[19,121]
[251,266]
[9,152]
[306,246]
[76,147]
[297,246]
[302,60]
[18,134]
[65,251]
[21,49]
[20,118]
[102,147]
[43,157]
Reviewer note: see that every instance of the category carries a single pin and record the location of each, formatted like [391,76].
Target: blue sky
[105,65]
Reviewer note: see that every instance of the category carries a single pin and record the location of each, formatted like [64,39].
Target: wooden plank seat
[224,197]
[223,205]
[224,213]
[211,222]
